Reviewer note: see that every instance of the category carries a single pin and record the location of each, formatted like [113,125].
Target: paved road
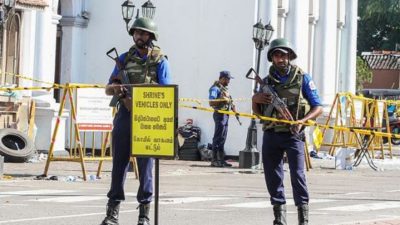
[194,194]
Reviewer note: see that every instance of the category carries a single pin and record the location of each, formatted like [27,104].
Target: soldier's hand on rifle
[127,101]
[296,128]
[262,98]
[226,97]
[119,90]
[234,108]
[226,100]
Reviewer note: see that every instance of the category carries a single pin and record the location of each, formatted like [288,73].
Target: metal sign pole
[156,186]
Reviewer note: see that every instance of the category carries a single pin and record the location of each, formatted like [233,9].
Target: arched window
[13,48]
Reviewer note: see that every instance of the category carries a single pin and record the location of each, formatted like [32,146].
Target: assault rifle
[277,102]
[122,78]
[237,116]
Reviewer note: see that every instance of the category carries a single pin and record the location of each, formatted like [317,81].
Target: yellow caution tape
[29,88]
[317,133]
[199,101]
[78,85]
[190,100]
[5,177]
[53,87]
[29,78]
[214,100]
[308,123]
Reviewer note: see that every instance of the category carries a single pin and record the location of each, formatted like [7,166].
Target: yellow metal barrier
[78,151]
[354,111]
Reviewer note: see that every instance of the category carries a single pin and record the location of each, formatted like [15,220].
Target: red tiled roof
[382,60]
[37,3]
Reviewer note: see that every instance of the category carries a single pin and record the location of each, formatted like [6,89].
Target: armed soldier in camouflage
[300,95]
[144,64]
[220,100]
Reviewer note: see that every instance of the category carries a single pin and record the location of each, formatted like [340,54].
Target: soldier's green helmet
[146,24]
[282,44]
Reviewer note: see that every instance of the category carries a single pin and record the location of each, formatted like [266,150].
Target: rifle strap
[301,73]
[146,72]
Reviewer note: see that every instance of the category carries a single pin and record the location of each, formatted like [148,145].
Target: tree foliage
[379,25]
[364,73]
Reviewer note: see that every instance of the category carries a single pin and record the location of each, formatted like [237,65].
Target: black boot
[302,212]
[112,213]
[144,210]
[214,161]
[280,214]
[221,158]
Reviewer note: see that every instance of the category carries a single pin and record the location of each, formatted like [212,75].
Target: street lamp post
[250,156]
[148,9]
[128,9]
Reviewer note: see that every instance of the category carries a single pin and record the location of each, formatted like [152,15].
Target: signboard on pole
[154,120]
[92,110]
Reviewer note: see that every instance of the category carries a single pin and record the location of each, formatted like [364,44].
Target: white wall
[200,38]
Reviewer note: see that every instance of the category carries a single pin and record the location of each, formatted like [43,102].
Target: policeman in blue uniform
[220,100]
[144,63]
[298,91]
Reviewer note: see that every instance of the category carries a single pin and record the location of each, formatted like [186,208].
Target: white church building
[67,40]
